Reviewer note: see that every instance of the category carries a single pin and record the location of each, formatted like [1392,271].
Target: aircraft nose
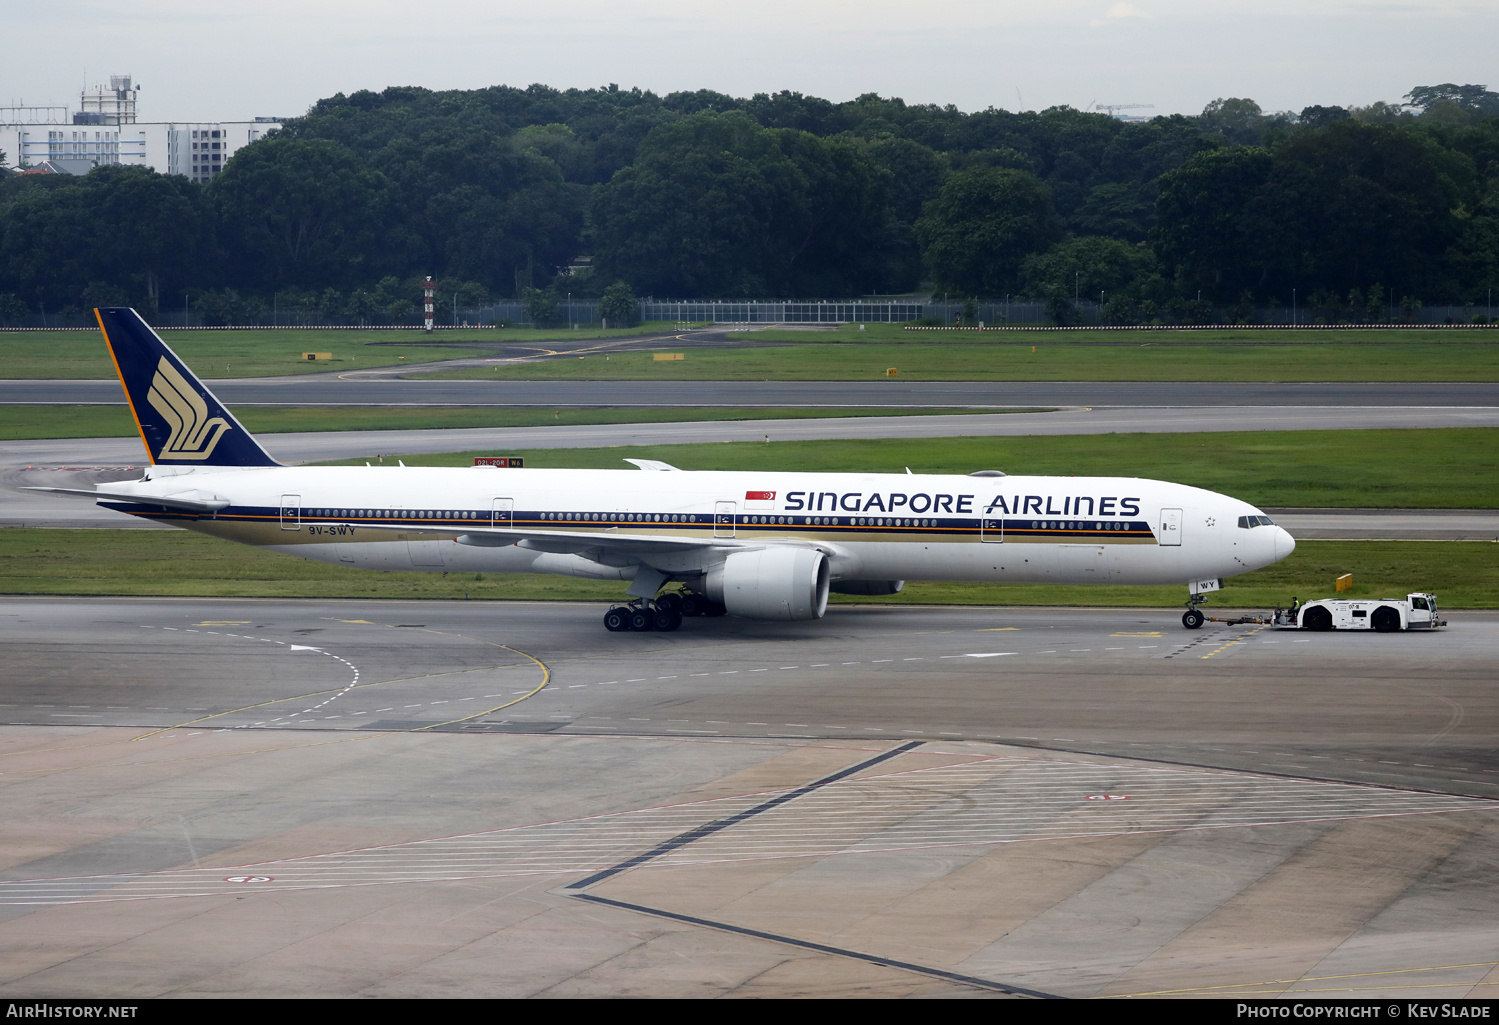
[1285,544]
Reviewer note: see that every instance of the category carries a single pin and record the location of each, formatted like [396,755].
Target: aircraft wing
[186,500]
[561,542]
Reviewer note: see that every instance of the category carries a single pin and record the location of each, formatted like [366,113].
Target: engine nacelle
[867,587]
[772,583]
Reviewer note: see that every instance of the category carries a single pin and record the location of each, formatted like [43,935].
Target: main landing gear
[664,613]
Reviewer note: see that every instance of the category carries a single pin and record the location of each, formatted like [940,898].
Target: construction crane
[1112,107]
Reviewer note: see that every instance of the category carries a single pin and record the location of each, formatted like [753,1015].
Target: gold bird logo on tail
[194,435]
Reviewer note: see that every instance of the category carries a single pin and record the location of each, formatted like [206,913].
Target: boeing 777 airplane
[764,544]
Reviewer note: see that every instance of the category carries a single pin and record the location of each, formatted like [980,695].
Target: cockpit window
[1247,522]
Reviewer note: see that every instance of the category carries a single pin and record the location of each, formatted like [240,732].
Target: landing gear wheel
[1192,619]
[666,620]
[617,620]
[642,619]
[671,601]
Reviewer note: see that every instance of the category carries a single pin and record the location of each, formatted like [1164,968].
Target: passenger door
[291,512]
[723,519]
[1170,532]
[502,513]
[991,529]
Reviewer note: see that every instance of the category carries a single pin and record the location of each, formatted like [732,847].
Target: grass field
[1445,468]
[114,421]
[81,354]
[843,354]
[902,334]
[1225,355]
[146,563]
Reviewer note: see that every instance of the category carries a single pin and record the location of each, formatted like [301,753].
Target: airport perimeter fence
[772,312]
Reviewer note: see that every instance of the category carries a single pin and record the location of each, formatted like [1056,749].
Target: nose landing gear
[1193,618]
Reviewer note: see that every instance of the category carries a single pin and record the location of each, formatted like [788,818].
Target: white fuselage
[1116,530]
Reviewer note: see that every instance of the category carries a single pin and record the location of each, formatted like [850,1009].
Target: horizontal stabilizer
[170,501]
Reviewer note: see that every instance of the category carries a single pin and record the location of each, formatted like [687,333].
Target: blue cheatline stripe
[1034,530]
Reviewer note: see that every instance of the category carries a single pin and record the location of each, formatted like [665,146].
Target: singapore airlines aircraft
[764,544]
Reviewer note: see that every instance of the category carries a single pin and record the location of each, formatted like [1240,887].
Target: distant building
[112,106]
[45,167]
[105,132]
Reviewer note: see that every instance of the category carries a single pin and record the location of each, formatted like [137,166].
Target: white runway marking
[300,718]
[989,802]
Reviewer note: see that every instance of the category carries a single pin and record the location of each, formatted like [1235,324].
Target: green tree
[12,309]
[295,211]
[541,306]
[1318,116]
[1355,204]
[914,174]
[1087,266]
[219,307]
[361,306]
[99,294]
[1214,229]
[619,305]
[1239,121]
[1476,98]
[1121,309]
[1125,210]
[982,225]
[717,205]
[1060,309]
[126,227]
[1473,260]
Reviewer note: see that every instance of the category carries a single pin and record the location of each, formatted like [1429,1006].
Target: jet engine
[771,583]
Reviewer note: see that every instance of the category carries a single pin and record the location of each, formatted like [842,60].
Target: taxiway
[385,798]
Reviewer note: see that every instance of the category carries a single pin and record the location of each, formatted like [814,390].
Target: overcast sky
[220,60]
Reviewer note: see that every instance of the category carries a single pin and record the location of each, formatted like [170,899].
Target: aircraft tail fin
[180,421]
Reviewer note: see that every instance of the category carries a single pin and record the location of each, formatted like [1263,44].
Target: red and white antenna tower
[429,289]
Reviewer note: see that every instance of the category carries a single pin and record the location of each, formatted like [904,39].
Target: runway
[410,799]
[377,388]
